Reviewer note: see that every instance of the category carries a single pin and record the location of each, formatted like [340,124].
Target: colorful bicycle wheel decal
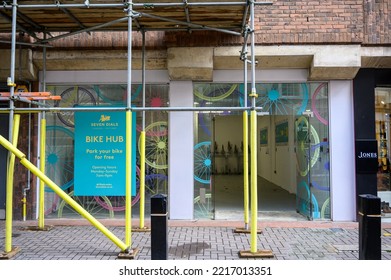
[153,183]
[203,121]
[214,92]
[318,97]
[89,204]
[279,101]
[203,210]
[156,145]
[59,156]
[72,97]
[303,201]
[303,164]
[325,210]
[114,95]
[202,162]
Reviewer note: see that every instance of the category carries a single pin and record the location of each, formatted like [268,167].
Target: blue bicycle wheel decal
[304,203]
[59,156]
[274,100]
[202,162]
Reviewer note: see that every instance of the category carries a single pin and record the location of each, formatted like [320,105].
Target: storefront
[189,153]
[373,86]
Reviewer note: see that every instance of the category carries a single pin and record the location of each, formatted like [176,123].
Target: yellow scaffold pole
[254,252]
[10,187]
[128,179]
[41,215]
[142,178]
[254,184]
[25,162]
[245,168]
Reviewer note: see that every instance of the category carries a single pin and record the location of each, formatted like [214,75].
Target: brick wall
[310,21]
[377,28]
[284,22]
[21,179]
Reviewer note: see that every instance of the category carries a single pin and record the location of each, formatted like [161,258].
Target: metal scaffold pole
[11,161]
[142,147]
[42,152]
[128,153]
[254,252]
[243,57]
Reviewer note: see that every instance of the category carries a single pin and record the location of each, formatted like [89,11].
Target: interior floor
[274,203]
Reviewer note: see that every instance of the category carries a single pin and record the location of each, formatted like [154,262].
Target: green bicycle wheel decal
[156,145]
[325,210]
[213,92]
[203,209]
[89,204]
[303,165]
[72,97]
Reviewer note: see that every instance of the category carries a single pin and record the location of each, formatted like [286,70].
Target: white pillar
[342,164]
[181,155]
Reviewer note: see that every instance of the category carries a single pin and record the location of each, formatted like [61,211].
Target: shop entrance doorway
[277,198]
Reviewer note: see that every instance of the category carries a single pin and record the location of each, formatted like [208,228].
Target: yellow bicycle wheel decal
[156,145]
[302,149]
[213,92]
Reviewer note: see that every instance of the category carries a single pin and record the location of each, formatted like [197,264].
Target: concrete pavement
[191,240]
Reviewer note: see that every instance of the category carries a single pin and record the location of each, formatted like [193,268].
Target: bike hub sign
[100,154]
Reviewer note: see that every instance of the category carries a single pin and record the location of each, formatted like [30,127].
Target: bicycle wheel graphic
[58,163]
[325,211]
[72,97]
[59,156]
[303,200]
[115,95]
[305,149]
[214,92]
[89,204]
[203,209]
[156,149]
[154,183]
[118,203]
[282,99]
[202,162]
[319,103]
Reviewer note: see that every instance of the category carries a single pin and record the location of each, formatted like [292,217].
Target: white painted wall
[228,128]
[342,168]
[103,77]
[181,155]
[277,163]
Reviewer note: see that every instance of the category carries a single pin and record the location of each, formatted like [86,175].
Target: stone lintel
[25,69]
[100,60]
[194,64]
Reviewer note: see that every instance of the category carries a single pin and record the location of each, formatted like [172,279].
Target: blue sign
[100,154]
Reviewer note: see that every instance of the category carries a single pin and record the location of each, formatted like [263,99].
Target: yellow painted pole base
[257,254]
[37,228]
[10,254]
[128,255]
[144,229]
[246,230]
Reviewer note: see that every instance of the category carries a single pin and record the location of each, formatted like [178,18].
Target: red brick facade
[20,181]
[310,21]
[365,22]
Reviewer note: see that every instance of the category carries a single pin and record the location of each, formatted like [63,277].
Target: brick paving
[192,240]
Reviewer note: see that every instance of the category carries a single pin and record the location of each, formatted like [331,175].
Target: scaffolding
[47,21]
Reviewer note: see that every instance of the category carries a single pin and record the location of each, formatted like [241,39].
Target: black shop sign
[366,156]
